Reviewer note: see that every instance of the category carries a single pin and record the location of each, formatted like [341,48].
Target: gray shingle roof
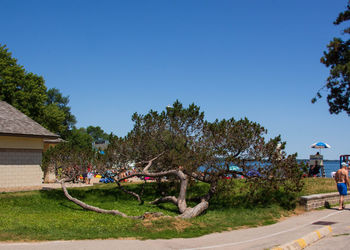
[14,122]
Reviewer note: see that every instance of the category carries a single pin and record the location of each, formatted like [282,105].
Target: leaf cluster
[337,58]
[27,92]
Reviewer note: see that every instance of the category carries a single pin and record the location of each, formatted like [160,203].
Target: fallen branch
[138,197]
[103,211]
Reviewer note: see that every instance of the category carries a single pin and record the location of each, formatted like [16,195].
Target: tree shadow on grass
[86,193]
[169,207]
[71,206]
[100,195]
[52,194]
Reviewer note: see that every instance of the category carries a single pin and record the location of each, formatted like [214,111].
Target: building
[21,147]
[100,145]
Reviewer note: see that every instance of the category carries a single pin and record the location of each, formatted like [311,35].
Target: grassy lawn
[48,215]
[319,186]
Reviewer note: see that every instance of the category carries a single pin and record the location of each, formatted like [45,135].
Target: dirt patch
[148,218]
[160,225]
[124,238]
[241,227]
[181,225]
[299,210]
[201,224]
[296,212]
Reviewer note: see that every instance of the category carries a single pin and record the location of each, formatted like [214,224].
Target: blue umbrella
[320,145]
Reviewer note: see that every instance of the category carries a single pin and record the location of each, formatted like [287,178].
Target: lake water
[331,166]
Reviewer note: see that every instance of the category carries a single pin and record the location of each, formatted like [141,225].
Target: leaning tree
[178,145]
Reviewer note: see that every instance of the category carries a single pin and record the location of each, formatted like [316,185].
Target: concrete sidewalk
[44,186]
[264,237]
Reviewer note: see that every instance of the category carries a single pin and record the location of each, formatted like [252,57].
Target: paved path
[339,242]
[263,237]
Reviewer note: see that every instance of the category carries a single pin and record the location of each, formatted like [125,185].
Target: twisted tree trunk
[180,201]
[192,212]
[202,206]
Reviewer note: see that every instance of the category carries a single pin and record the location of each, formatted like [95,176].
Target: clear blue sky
[248,58]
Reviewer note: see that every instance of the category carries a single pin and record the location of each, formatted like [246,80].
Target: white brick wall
[20,175]
[20,168]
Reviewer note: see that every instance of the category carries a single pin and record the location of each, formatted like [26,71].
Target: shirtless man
[342,180]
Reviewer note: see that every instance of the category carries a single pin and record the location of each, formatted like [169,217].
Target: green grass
[319,186]
[48,215]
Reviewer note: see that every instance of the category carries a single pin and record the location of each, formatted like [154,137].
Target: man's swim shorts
[342,188]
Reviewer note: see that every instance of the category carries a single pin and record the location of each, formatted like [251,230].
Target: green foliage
[201,150]
[246,193]
[79,139]
[61,118]
[337,58]
[72,157]
[27,92]
[205,151]
[69,160]
[282,184]
[54,119]
[176,131]
[270,174]
[97,133]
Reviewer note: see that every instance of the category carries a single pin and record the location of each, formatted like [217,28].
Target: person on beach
[342,179]
[89,174]
[89,177]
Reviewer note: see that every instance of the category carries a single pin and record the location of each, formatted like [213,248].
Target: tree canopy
[337,58]
[62,119]
[97,133]
[27,92]
[177,146]
[23,90]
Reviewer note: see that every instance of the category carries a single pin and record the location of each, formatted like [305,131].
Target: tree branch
[89,207]
[151,161]
[165,199]
[138,197]
[104,211]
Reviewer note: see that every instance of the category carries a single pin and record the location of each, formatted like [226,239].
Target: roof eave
[30,135]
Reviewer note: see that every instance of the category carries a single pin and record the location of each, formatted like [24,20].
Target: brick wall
[20,156]
[321,200]
[20,168]
[20,176]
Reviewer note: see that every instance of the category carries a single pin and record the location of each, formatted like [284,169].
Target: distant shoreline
[323,160]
